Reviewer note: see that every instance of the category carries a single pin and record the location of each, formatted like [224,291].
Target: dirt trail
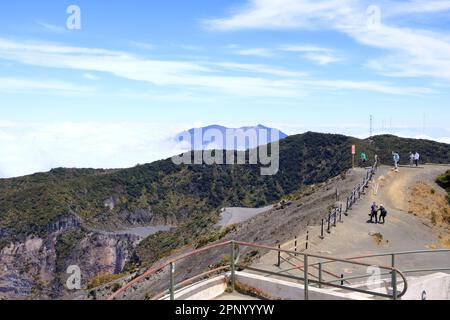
[397,185]
[355,236]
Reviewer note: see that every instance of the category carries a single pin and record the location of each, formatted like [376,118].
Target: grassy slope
[444,182]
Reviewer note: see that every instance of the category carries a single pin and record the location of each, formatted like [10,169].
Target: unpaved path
[355,236]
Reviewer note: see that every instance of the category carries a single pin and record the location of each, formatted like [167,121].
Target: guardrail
[393,258]
[336,213]
[234,265]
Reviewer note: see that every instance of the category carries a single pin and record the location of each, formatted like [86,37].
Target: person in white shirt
[411,159]
[416,158]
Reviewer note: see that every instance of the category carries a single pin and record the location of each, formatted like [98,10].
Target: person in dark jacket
[374,213]
[383,214]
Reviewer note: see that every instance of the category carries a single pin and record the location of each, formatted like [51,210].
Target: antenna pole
[424,124]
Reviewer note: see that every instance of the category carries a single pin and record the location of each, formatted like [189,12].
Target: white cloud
[35,147]
[304,48]
[372,86]
[322,59]
[322,56]
[143,45]
[413,52]
[53,87]
[155,72]
[260,68]
[417,6]
[257,52]
[90,76]
[189,75]
[28,148]
[51,27]
[426,137]
[283,14]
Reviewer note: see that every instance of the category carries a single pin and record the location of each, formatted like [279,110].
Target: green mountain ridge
[29,204]
[51,220]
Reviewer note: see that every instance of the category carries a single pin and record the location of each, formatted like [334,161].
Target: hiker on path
[396,158]
[411,159]
[383,214]
[416,158]
[374,213]
[363,159]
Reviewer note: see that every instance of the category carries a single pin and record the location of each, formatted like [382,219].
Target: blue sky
[139,71]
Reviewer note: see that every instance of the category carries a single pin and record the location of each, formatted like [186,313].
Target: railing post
[321,231]
[320,275]
[335,217]
[307,239]
[295,245]
[279,256]
[306,293]
[233,266]
[346,205]
[329,224]
[394,279]
[172,281]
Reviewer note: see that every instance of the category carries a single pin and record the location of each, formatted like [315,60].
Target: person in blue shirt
[396,158]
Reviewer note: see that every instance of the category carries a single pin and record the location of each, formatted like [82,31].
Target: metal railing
[306,279]
[336,213]
[393,258]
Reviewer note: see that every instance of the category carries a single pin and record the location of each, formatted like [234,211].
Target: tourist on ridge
[396,158]
[374,213]
[416,158]
[363,159]
[383,214]
[411,159]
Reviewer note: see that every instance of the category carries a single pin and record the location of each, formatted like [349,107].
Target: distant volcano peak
[205,142]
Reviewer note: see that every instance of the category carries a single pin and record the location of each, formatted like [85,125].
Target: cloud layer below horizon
[31,148]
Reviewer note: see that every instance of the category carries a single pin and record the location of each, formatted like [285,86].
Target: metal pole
[320,275]
[172,281]
[346,206]
[295,244]
[233,266]
[279,256]
[335,217]
[321,231]
[394,279]
[329,226]
[307,239]
[306,277]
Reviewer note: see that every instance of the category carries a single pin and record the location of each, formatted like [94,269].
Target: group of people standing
[374,213]
[414,158]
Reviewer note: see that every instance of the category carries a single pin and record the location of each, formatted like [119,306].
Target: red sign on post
[353,149]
